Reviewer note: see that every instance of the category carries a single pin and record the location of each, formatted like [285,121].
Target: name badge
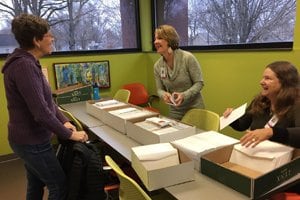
[272,122]
[163,73]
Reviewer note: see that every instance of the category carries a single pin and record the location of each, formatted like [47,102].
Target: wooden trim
[8,157]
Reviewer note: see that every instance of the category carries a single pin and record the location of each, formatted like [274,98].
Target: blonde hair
[169,34]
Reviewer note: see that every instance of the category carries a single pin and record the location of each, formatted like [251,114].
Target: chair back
[138,93]
[202,119]
[71,117]
[122,95]
[129,189]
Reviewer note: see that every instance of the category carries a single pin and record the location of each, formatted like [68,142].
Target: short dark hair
[25,27]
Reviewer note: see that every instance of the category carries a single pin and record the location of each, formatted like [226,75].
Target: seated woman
[274,114]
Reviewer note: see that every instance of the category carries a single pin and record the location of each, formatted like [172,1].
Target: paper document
[158,121]
[235,114]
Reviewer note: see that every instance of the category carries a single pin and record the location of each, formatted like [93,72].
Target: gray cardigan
[185,77]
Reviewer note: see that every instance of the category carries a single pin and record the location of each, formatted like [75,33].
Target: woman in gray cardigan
[177,74]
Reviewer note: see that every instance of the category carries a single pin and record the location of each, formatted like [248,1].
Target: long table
[202,188]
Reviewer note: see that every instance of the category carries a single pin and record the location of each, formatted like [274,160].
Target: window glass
[78,25]
[217,24]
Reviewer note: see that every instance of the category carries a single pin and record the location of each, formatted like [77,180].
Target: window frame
[272,46]
[103,51]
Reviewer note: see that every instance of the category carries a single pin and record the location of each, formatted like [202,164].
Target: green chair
[202,119]
[72,119]
[122,95]
[129,189]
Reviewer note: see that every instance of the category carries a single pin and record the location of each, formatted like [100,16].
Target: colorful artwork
[95,72]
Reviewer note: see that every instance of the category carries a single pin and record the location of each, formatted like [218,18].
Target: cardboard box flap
[242,170]
[220,155]
[296,153]
[230,178]
[183,157]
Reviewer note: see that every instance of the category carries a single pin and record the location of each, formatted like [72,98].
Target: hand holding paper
[172,100]
[235,114]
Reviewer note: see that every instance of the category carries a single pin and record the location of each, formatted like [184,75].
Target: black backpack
[84,170]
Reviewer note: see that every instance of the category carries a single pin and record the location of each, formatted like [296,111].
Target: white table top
[78,110]
[202,188]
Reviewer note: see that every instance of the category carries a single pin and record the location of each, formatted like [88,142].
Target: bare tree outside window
[229,22]
[78,25]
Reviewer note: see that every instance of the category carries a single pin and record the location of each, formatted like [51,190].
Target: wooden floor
[13,180]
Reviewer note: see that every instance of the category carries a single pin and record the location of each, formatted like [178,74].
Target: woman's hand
[178,98]
[70,126]
[227,112]
[166,97]
[79,136]
[253,138]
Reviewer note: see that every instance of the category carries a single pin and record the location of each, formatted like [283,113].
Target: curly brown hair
[26,27]
[288,94]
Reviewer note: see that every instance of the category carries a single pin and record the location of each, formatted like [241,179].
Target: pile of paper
[130,113]
[160,122]
[265,157]
[156,156]
[109,104]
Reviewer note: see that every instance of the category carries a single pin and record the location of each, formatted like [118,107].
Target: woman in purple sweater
[33,116]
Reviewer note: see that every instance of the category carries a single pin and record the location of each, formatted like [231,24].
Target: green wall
[231,78]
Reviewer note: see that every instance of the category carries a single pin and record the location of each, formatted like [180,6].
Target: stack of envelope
[156,156]
[109,104]
[265,157]
[197,145]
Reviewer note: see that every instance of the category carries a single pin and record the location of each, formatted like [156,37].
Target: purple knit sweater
[33,115]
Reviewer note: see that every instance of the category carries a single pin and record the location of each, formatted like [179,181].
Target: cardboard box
[72,94]
[158,178]
[98,107]
[244,180]
[197,145]
[146,132]
[157,156]
[117,118]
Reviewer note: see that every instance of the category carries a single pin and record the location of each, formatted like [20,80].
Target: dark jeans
[43,169]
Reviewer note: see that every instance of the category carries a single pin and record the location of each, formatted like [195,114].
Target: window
[227,24]
[79,25]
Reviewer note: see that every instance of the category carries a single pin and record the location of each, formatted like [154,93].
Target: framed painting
[85,73]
